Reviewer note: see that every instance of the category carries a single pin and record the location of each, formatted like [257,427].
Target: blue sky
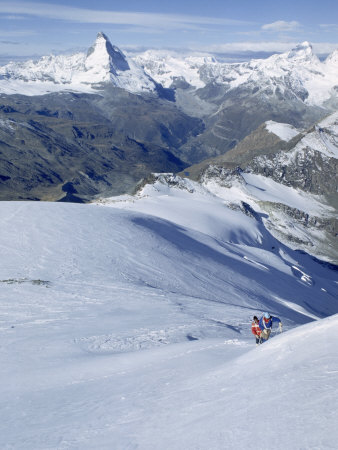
[218,26]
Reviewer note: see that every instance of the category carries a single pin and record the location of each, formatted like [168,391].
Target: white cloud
[322,48]
[261,46]
[281,25]
[16,33]
[13,17]
[82,15]
[266,47]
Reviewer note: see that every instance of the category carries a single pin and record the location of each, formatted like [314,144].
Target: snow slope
[127,325]
[323,138]
[284,131]
[284,393]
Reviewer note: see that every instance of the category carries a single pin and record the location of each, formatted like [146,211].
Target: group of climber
[261,328]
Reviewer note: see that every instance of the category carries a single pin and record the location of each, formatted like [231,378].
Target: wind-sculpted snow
[122,324]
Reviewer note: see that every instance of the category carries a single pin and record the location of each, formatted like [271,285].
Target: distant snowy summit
[103,64]
[297,74]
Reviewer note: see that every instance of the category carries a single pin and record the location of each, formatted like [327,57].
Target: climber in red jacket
[256,330]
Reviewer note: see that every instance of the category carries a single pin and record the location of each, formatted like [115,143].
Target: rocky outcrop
[308,170]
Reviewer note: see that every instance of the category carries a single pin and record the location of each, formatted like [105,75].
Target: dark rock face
[309,171]
[328,225]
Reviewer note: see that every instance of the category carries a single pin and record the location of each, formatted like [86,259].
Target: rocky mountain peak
[302,52]
[102,53]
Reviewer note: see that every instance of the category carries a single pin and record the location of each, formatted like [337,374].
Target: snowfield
[126,325]
[284,131]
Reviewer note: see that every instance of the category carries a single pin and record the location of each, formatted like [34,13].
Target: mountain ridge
[305,165]
[107,63]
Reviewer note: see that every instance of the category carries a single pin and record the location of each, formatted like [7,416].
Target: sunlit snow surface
[127,325]
[284,131]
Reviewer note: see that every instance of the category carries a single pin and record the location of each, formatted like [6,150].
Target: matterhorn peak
[101,35]
[302,52]
[102,53]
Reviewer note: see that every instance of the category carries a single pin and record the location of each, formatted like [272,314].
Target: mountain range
[91,125]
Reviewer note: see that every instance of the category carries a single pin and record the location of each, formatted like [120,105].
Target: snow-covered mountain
[127,325]
[170,68]
[235,99]
[103,64]
[289,177]
[298,72]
